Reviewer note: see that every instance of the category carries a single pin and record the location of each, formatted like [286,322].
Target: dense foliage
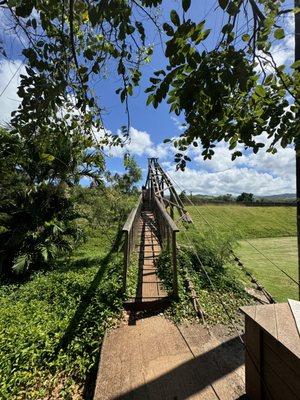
[37,212]
[52,324]
[232,92]
[245,197]
[207,262]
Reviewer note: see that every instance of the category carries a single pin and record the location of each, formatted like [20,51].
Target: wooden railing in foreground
[167,233]
[130,230]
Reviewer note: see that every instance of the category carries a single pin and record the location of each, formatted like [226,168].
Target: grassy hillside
[246,222]
[283,252]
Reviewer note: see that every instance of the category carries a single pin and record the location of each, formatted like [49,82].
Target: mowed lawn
[271,230]
[246,222]
[281,251]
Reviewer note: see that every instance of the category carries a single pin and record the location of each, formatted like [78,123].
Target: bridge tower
[160,186]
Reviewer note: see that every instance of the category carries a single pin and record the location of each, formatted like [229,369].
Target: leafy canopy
[233,92]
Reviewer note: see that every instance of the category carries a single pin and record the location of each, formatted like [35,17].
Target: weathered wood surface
[278,321]
[156,360]
[273,353]
[149,287]
[130,231]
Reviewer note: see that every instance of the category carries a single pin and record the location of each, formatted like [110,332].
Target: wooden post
[174,263]
[297,136]
[126,260]
[171,207]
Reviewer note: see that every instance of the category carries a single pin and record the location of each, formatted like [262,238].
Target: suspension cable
[227,312]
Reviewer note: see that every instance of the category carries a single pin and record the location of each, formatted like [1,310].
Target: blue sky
[260,174]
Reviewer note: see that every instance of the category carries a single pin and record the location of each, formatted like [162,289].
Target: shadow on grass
[87,296]
[79,263]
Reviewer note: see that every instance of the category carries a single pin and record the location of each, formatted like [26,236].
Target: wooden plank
[288,373]
[295,309]
[265,316]
[277,320]
[287,329]
[166,216]
[128,224]
[152,361]
[252,358]
[278,389]
[288,358]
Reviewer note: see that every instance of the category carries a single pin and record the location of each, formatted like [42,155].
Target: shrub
[37,225]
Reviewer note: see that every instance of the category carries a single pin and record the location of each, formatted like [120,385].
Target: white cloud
[179,125]
[139,143]
[9,81]
[235,181]
[283,50]
[261,173]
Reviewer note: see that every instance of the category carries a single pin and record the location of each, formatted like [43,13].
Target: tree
[226,197]
[37,213]
[245,198]
[68,44]
[233,92]
[183,195]
[126,182]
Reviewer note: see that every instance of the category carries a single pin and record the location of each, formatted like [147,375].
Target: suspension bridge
[149,228]
[148,357]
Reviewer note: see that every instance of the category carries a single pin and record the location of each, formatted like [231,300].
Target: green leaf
[150,99]
[227,28]
[25,9]
[246,37]
[47,157]
[44,253]
[168,29]
[167,140]
[279,33]
[296,64]
[260,91]
[174,18]
[269,79]
[20,263]
[233,8]
[223,3]
[186,4]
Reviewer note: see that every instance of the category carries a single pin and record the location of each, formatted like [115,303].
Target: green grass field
[272,230]
[283,252]
[246,222]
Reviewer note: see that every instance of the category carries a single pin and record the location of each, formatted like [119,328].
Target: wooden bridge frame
[153,195]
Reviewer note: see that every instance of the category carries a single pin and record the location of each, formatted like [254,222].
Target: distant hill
[278,197]
[275,198]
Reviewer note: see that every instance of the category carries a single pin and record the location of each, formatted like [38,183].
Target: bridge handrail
[167,231]
[130,231]
[166,216]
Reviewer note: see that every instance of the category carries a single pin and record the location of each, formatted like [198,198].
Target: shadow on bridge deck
[150,293]
[156,360]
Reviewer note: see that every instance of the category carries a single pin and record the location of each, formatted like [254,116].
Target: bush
[207,260]
[37,225]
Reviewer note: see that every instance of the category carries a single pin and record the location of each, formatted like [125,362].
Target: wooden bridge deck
[154,359]
[149,289]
